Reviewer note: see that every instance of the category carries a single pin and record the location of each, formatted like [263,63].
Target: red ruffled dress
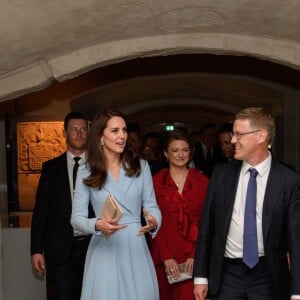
[177,236]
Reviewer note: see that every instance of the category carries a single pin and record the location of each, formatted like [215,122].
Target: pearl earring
[101,142]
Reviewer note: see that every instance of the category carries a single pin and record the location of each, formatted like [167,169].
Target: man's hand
[200,291]
[38,262]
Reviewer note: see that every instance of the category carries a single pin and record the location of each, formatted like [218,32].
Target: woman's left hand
[151,223]
[189,264]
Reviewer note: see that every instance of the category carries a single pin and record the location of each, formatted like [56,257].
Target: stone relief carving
[37,142]
[191,17]
[27,185]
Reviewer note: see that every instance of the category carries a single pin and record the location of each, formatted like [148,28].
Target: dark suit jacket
[206,166]
[51,231]
[280,222]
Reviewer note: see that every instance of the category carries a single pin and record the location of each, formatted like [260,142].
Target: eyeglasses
[75,130]
[239,135]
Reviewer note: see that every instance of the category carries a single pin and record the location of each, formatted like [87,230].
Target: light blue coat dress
[118,268]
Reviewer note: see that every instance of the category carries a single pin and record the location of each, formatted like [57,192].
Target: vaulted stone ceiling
[45,42]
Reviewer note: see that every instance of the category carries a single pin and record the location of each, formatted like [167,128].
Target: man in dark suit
[55,247]
[221,266]
[207,153]
[224,137]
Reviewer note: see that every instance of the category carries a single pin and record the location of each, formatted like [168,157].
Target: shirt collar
[261,168]
[70,157]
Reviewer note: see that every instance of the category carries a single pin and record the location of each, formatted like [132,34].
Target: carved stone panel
[37,142]
[27,189]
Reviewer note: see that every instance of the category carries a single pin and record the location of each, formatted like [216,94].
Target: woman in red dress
[180,193]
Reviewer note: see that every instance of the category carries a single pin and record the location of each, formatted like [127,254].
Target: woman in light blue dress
[118,263]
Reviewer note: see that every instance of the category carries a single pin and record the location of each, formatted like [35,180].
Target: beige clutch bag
[111,209]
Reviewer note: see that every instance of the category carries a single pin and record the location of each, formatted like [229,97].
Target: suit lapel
[273,189]
[64,178]
[231,183]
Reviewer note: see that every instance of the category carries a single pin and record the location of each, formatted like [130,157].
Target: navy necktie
[75,169]
[250,246]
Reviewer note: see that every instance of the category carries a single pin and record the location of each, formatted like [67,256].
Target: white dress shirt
[234,244]
[70,165]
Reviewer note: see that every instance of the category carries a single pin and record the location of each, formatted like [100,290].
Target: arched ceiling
[45,41]
[167,89]
[158,61]
[188,98]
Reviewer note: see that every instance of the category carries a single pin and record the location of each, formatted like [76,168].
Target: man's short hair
[260,119]
[74,115]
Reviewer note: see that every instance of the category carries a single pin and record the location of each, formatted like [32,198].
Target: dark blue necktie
[250,247]
[75,169]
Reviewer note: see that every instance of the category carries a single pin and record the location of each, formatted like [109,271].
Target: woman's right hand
[108,226]
[172,268]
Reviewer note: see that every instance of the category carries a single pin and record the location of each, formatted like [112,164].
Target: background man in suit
[55,247]
[221,266]
[207,153]
[224,137]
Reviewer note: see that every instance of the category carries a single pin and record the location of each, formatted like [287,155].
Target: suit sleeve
[205,233]
[40,212]
[202,185]
[294,237]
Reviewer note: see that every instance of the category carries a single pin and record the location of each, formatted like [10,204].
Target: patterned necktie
[250,246]
[75,169]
